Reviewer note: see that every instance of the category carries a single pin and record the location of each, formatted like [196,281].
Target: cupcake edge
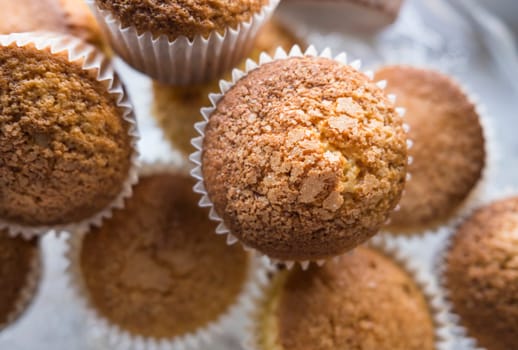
[117,337]
[435,299]
[93,60]
[186,60]
[206,112]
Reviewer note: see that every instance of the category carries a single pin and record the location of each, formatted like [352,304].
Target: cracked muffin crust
[304,158]
[155,269]
[62,16]
[189,18]
[364,301]
[481,271]
[449,146]
[16,258]
[65,151]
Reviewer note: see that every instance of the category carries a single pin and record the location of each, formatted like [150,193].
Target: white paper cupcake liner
[29,291]
[197,142]
[116,338]
[458,330]
[183,61]
[478,192]
[433,295]
[92,60]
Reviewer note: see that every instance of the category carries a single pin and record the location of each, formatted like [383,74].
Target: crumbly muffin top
[364,301]
[482,274]
[448,152]
[156,268]
[64,146]
[304,158]
[188,18]
[62,16]
[16,258]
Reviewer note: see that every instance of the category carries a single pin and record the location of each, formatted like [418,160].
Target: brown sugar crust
[177,109]
[16,257]
[482,275]
[175,278]
[188,18]
[304,158]
[62,16]
[448,152]
[364,301]
[64,147]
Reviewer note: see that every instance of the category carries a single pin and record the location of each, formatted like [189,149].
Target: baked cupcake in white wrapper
[301,158]
[183,43]
[68,135]
[20,275]
[477,268]
[373,298]
[454,149]
[154,276]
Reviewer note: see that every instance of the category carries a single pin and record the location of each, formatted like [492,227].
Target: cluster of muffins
[302,158]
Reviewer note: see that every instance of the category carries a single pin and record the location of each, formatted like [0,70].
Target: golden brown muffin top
[62,16]
[304,158]
[189,18]
[448,152]
[64,147]
[364,301]
[16,258]
[482,274]
[156,268]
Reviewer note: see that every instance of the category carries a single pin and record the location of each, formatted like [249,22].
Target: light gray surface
[441,39]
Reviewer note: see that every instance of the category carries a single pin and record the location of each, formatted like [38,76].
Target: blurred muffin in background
[359,16]
[177,108]
[62,16]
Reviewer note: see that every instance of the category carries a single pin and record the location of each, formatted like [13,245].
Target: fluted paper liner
[183,61]
[92,60]
[237,74]
[436,303]
[117,338]
[28,292]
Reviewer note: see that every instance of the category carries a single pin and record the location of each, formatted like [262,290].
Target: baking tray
[456,37]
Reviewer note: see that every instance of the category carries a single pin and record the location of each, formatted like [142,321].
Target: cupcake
[358,16]
[155,272]
[67,134]
[448,147]
[363,301]
[61,16]
[303,158]
[19,276]
[481,275]
[183,42]
[177,109]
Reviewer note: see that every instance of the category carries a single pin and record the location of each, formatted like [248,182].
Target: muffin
[448,147]
[183,42]
[363,301]
[154,270]
[19,269]
[481,275]
[66,134]
[303,158]
[358,16]
[61,16]
[177,108]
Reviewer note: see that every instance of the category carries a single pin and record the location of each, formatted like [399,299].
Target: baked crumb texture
[175,18]
[65,151]
[482,275]
[156,269]
[304,158]
[364,301]
[16,258]
[449,147]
